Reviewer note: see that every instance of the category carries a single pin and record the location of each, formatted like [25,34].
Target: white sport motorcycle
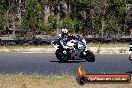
[72,48]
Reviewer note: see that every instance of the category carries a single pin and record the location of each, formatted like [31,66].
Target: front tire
[60,56]
[130,58]
[90,57]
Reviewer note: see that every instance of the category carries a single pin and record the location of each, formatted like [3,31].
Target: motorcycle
[72,49]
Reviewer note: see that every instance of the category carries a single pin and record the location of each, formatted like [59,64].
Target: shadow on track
[69,61]
[130,72]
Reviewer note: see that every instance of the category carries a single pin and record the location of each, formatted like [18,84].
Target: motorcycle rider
[66,37]
[64,33]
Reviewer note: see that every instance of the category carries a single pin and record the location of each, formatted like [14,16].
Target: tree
[2,16]
[119,9]
[31,18]
[88,17]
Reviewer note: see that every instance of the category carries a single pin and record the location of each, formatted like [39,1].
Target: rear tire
[90,57]
[60,56]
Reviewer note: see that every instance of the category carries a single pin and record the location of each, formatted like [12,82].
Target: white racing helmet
[64,31]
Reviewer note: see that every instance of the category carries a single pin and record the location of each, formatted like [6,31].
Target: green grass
[51,81]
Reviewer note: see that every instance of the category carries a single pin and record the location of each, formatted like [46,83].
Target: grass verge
[109,44]
[25,47]
[50,46]
[52,81]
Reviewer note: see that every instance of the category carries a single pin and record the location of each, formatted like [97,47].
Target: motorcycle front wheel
[90,57]
[60,56]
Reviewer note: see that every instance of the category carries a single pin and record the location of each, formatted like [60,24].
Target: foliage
[70,24]
[3,18]
[96,17]
[31,18]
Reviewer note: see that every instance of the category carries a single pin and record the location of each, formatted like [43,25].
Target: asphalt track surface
[46,64]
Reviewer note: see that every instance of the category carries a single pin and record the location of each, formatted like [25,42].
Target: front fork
[84,53]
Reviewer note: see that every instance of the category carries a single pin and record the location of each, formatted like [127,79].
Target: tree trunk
[131,32]
[46,10]
[19,12]
[65,7]
[46,13]
[103,18]
[102,26]
[58,22]
[69,7]
[7,16]
[14,26]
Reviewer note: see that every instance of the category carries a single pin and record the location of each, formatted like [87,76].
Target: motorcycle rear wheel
[60,56]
